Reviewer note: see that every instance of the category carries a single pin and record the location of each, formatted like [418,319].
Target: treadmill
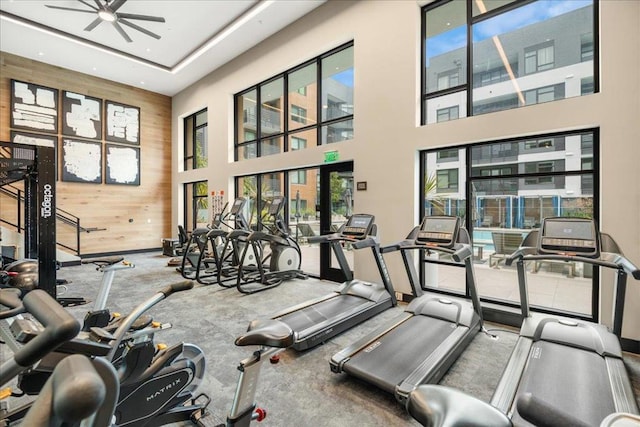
[422,343]
[573,364]
[562,371]
[320,319]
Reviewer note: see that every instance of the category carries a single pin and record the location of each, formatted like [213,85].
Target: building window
[447,181]
[539,58]
[449,113]
[448,79]
[497,55]
[544,94]
[196,205]
[298,114]
[298,177]
[537,168]
[298,143]
[448,155]
[586,47]
[508,187]
[195,141]
[535,144]
[320,110]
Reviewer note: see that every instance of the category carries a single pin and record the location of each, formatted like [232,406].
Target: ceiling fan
[107,11]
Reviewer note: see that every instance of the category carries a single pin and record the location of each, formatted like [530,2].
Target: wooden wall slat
[100,205]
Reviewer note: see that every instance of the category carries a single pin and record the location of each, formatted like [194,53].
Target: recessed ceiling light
[148,49]
[142,83]
[95,68]
[40,53]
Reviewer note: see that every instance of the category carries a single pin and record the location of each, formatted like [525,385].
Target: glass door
[336,205]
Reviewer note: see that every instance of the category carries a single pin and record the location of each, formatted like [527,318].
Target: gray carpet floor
[300,390]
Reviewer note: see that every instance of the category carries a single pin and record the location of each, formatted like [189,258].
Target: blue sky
[345,77]
[510,21]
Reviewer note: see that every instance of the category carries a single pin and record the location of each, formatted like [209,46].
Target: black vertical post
[45,208]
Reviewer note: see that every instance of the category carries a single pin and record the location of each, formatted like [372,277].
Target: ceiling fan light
[106,15]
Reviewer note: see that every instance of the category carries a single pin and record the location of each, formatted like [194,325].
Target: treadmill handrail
[368,242]
[333,237]
[459,252]
[607,259]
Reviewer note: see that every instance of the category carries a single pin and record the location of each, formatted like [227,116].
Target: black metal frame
[595,171]
[471,20]
[40,211]
[285,132]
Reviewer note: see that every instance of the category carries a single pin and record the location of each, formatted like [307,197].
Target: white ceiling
[197,36]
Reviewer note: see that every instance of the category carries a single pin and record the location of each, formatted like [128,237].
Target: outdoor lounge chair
[505,244]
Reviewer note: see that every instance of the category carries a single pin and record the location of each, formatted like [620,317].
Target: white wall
[386,125]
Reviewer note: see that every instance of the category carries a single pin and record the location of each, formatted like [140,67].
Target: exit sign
[331,156]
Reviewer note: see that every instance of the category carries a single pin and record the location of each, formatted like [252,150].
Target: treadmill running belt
[394,356]
[309,316]
[572,379]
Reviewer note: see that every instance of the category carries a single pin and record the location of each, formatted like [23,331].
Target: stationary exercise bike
[156,387]
[280,262]
[80,389]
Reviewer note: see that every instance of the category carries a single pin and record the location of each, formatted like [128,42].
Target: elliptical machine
[220,255]
[278,255]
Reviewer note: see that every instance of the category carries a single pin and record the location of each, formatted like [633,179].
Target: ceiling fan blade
[139,28]
[69,8]
[88,4]
[121,31]
[115,4]
[93,24]
[141,17]
[97,2]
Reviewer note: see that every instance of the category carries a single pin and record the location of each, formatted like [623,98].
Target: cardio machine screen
[237,205]
[276,204]
[569,235]
[439,231]
[358,226]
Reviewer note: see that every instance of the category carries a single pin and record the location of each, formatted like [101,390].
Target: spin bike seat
[270,333]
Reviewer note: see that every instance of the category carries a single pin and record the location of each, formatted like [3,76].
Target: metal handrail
[61,215]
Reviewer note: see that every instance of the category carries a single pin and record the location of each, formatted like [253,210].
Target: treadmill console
[569,236]
[441,231]
[359,226]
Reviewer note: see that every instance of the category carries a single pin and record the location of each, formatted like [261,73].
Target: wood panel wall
[135,217]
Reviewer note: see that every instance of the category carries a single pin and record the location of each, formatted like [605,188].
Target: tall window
[195,140]
[505,54]
[312,102]
[196,205]
[506,188]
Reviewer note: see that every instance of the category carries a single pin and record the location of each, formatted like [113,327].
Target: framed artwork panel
[122,165]
[34,107]
[81,161]
[81,116]
[122,123]
[27,138]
